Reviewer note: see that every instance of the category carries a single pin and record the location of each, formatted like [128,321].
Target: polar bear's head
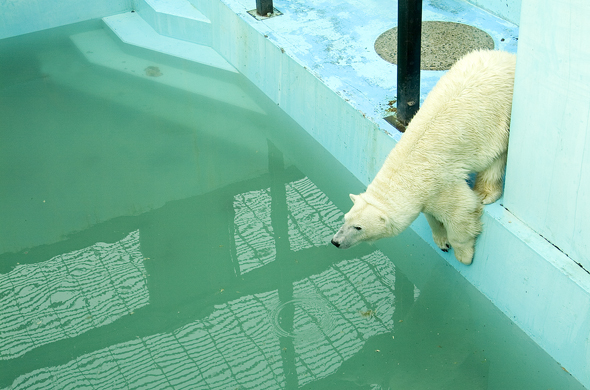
[366,221]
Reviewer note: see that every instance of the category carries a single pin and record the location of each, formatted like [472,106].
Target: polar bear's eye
[357,227]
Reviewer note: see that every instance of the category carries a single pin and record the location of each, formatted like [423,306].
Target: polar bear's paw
[488,194]
[442,242]
[464,253]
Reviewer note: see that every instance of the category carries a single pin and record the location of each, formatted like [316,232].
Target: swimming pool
[158,236]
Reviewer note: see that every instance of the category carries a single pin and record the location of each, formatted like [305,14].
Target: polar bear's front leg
[459,209]
[439,233]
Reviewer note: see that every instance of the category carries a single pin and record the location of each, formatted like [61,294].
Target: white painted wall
[548,174]
[506,9]
[24,16]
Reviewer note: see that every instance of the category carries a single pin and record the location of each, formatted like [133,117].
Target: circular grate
[443,43]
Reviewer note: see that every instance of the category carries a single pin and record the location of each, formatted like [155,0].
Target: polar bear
[461,128]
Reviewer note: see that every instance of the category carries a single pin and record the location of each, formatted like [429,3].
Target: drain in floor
[443,43]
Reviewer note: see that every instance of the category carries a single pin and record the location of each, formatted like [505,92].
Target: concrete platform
[335,42]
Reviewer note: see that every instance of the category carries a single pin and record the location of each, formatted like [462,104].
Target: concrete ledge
[536,285]
[533,283]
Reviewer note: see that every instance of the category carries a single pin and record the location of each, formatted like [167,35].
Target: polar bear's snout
[344,238]
[342,244]
[338,239]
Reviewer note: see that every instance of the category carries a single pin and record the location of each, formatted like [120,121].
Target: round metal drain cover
[443,43]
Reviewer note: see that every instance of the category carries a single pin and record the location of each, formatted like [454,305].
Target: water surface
[165,226]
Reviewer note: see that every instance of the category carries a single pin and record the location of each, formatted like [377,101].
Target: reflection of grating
[254,242]
[236,347]
[347,288]
[312,220]
[70,294]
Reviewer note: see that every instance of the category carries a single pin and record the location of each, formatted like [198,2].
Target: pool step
[100,48]
[176,19]
[132,29]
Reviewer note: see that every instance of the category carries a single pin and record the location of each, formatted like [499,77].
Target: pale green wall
[24,16]
[548,174]
[505,9]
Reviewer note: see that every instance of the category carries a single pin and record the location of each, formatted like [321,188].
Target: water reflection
[284,337]
[69,294]
[238,345]
[312,219]
[304,316]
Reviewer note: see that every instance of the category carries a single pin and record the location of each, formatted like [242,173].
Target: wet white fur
[462,127]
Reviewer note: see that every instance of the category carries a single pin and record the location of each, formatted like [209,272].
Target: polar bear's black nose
[336,244]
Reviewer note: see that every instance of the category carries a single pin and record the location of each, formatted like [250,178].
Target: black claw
[445,250]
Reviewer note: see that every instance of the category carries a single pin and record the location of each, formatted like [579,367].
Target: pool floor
[159,237]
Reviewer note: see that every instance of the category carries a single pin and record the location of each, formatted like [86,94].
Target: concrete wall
[506,9]
[548,175]
[24,16]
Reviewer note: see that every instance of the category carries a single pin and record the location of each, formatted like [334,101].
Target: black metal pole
[408,58]
[264,7]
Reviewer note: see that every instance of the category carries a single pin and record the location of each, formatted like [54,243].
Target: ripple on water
[303,319]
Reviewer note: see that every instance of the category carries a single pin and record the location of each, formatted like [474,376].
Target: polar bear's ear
[353,198]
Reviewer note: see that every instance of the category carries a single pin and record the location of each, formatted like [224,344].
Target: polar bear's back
[464,122]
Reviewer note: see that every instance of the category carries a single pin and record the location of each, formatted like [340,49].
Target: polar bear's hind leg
[489,182]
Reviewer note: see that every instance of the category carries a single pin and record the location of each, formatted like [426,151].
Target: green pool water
[160,237]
